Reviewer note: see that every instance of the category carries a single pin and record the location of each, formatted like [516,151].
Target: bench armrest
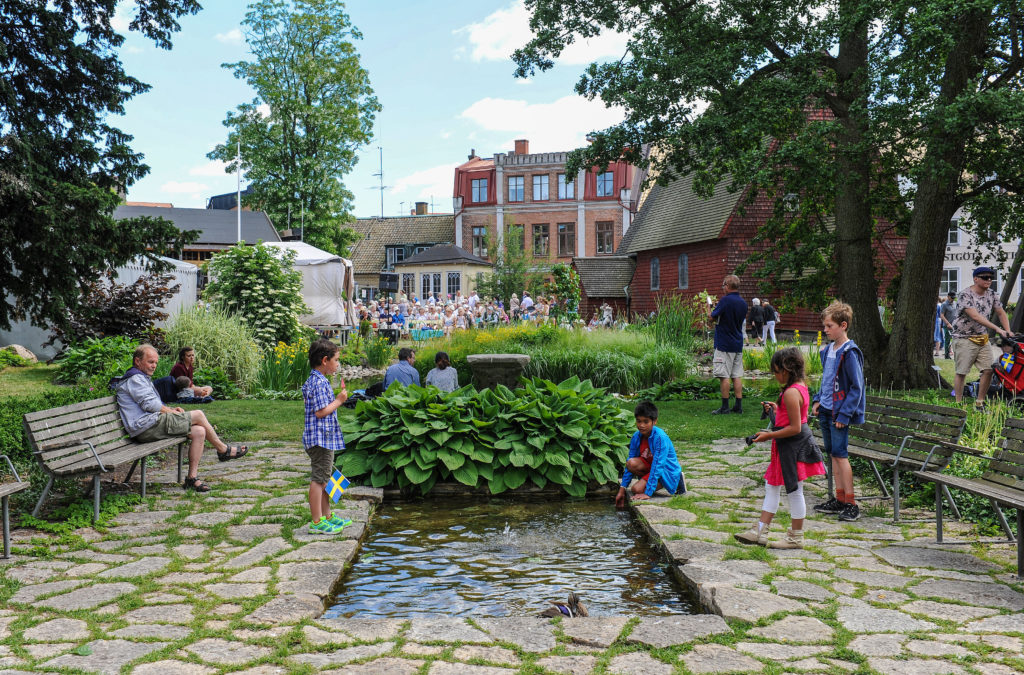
[10,464]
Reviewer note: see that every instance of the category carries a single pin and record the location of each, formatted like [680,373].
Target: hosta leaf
[415,474]
[466,474]
[519,458]
[557,458]
[558,474]
[440,437]
[486,470]
[497,484]
[479,453]
[353,463]
[538,441]
[539,480]
[452,460]
[576,488]
[514,477]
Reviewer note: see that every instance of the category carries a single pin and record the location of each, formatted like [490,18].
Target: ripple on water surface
[504,557]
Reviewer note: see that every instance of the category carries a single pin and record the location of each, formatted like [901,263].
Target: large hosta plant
[569,434]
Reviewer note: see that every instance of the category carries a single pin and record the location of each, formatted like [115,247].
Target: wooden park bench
[88,439]
[8,488]
[1001,483]
[904,436]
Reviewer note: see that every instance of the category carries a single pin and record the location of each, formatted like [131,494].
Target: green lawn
[691,422]
[249,420]
[27,381]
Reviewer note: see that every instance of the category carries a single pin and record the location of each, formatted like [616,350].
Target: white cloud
[550,127]
[184,187]
[122,16]
[132,49]
[505,30]
[435,182]
[213,169]
[232,37]
[263,109]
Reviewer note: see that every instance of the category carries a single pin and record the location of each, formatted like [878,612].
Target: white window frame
[478,188]
[945,280]
[605,184]
[519,190]
[541,187]
[953,235]
[566,188]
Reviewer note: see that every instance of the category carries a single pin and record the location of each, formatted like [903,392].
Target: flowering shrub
[252,282]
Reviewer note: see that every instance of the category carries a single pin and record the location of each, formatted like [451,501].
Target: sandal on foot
[196,485]
[233,452]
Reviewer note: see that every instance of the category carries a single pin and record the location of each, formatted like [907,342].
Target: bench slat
[931,428]
[104,445]
[913,415]
[125,454]
[914,444]
[48,450]
[109,411]
[12,487]
[1010,457]
[981,487]
[1008,481]
[65,409]
[41,436]
[916,405]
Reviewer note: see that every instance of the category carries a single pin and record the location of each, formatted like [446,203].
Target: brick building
[604,279]
[562,216]
[684,244]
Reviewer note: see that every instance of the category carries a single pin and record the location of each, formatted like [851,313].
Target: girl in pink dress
[798,456]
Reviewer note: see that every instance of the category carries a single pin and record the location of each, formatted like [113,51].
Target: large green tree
[62,163]
[313,109]
[854,114]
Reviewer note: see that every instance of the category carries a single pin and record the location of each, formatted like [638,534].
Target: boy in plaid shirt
[322,435]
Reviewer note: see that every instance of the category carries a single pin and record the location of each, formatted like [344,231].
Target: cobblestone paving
[229,581]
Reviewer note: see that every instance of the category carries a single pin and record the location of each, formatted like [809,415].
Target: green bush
[379,352]
[220,340]
[223,387]
[569,434]
[9,358]
[96,360]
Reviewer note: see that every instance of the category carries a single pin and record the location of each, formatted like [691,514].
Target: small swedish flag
[336,485]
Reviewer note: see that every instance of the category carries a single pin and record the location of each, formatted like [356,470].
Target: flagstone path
[230,581]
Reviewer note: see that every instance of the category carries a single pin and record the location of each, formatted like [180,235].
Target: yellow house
[443,271]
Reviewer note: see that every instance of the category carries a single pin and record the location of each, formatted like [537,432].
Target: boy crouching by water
[321,436]
[652,459]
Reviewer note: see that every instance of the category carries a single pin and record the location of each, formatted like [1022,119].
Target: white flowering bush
[265,290]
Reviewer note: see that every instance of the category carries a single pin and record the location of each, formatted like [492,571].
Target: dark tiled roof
[673,214]
[606,276]
[368,255]
[444,254]
[216,227]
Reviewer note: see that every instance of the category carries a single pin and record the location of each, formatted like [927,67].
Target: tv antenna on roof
[380,175]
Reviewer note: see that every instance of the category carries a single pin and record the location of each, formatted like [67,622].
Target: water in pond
[456,557]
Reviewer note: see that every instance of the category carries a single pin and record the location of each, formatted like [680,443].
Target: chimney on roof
[522,146]
[421,208]
[472,153]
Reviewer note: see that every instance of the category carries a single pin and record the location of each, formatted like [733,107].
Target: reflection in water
[460,557]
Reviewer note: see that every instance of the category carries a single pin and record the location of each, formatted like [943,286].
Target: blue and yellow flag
[336,485]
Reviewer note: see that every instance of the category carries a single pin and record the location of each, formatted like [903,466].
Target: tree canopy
[861,117]
[314,108]
[62,163]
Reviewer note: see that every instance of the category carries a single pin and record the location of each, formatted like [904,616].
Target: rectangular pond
[505,557]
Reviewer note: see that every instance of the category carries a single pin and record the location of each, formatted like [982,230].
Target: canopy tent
[186,275]
[327,284]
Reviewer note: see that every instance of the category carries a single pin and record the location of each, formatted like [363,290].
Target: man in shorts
[975,305]
[729,314]
[147,419]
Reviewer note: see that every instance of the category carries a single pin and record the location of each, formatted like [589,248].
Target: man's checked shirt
[325,431]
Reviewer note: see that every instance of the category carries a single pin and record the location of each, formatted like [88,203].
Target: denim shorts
[834,440]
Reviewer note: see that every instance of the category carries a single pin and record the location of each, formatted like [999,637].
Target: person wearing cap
[971,347]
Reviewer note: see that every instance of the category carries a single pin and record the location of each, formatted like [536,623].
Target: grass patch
[252,420]
[28,381]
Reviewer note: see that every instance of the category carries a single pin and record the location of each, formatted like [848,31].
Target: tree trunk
[908,359]
[854,224]
[1010,281]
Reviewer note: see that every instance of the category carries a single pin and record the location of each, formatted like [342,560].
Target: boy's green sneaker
[323,527]
[338,522]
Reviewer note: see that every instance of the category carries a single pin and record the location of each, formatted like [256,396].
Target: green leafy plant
[675,322]
[285,367]
[9,358]
[378,352]
[262,288]
[219,339]
[565,287]
[223,387]
[569,434]
[96,359]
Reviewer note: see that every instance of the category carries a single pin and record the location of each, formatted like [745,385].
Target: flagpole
[238,189]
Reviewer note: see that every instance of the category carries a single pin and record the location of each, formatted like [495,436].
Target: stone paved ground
[229,581]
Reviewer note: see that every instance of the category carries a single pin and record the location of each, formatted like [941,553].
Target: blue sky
[440,70]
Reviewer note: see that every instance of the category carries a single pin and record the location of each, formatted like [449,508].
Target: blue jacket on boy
[848,399]
[664,465]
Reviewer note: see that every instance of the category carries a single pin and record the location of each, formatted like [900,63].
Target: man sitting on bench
[146,418]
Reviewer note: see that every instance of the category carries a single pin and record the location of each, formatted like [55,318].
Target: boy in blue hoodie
[652,459]
[840,402]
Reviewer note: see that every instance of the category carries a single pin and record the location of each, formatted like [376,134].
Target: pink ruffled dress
[804,470]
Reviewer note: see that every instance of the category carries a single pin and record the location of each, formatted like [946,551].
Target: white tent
[327,284]
[185,275]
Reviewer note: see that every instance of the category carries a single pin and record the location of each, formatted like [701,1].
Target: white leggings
[797,505]
[768,330]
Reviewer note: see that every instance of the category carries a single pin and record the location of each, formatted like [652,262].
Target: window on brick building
[567,239]
[480,190]
[566,188]
[684,270]
[540,188]
[541,240]
[409,284]
[606,184]
[516,234]
[655,274]
[605,236]
[480,241]
[515,188]
[454,283]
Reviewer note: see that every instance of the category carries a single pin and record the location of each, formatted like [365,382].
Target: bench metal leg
[1020,551]
[938,516]
[1002,520]
[95,498]
[42,497]
[829,492]
[7,527]
[142,475]
[878,478]
[131,471]
[952,504]
[895,494]
[181,447]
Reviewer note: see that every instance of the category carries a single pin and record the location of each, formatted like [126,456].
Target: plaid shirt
[323,431]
